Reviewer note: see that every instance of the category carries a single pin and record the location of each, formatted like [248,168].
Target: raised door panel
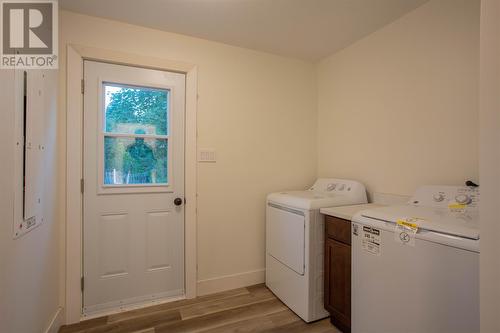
[159,255]
[338,229]
[338,283]
[114,240]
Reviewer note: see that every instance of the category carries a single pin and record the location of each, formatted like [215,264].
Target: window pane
[135,110]
[135,161]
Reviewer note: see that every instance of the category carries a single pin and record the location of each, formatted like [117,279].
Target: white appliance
[295,240]
[415,267]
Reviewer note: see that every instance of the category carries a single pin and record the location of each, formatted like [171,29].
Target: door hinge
[83,86]
[82,185]
[82,282]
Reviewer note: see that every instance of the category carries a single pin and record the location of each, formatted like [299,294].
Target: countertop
[347,212]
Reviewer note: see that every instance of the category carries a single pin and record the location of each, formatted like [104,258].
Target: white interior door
[133,185]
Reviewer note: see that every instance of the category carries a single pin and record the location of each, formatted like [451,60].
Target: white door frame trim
[74,164]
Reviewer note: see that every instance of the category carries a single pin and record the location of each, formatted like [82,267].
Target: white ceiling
[305,29]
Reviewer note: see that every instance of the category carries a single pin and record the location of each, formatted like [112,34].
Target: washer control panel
[452,197]
[330,185]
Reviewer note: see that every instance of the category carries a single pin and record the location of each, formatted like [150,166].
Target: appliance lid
[307,195]
[309,200]
[461,223]
[326,192]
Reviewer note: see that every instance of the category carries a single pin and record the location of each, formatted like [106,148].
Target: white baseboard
[228,282]
[56,322]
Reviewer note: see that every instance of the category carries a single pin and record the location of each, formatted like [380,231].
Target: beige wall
[29,265]
[399,108]
[257,110]
[490,165]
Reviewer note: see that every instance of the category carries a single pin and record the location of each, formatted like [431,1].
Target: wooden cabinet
[338,272]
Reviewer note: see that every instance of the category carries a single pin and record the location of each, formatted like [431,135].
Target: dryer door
[285,236]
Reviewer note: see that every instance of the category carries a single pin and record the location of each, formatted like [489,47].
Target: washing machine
[295,242]
[415,267]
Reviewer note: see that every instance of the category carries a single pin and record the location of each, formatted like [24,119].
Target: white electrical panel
[29,178]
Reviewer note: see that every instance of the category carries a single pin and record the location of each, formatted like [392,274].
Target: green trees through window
[136,135]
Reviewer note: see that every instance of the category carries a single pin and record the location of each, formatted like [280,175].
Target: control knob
[438,197]
[463,199]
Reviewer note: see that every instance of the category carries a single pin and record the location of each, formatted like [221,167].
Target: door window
[135,135]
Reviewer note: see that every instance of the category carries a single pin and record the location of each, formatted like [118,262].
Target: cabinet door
[338,283]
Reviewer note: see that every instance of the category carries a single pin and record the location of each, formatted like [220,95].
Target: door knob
[177,201]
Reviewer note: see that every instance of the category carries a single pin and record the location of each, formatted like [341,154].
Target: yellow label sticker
[405,230]
[407,224]
[456,206]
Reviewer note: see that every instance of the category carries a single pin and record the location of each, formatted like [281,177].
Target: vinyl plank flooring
[322,326]
[257,324]
[221,318]
[250,309]
[204,308]
[147,330]
[176,305]
[82,326]
[138,324]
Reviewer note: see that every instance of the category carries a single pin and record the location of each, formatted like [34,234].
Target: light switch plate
[207,155]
